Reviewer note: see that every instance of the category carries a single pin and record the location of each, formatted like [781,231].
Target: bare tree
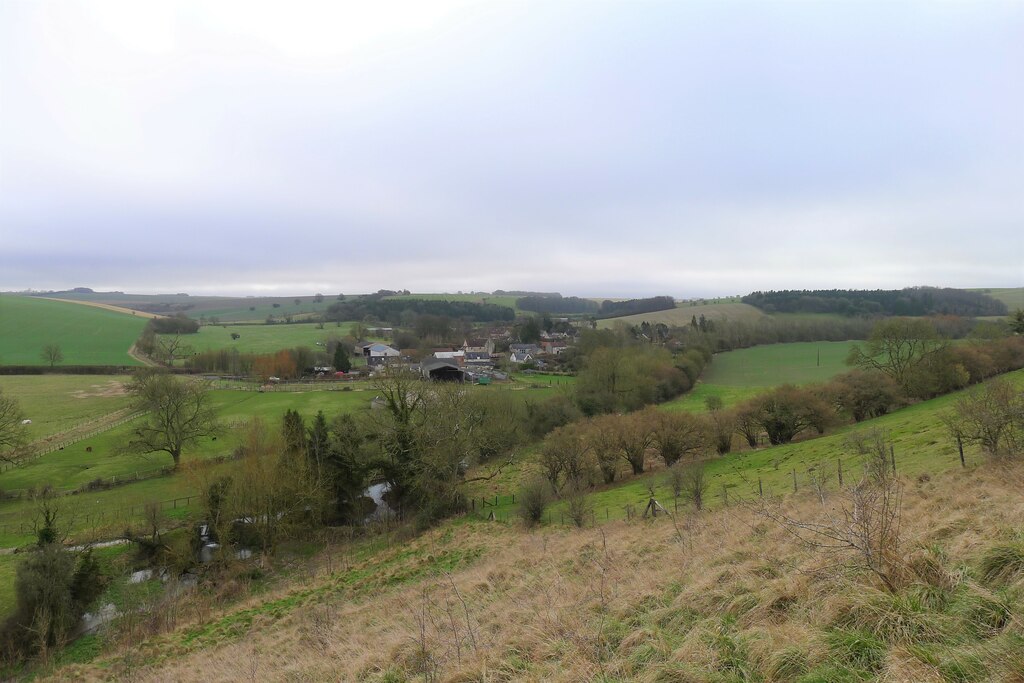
[52,354]
[992,417]
[179,414]
[13,437]
[896,347]
[679,435]
[169,349]
[634,437]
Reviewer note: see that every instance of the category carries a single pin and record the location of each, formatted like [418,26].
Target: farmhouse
[524,349]
[380,354]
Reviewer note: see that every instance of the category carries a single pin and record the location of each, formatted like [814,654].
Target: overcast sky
[592,148]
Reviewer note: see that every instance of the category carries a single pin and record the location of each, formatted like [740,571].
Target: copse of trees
[53,587]
[923,364]
[426,436]
[615,309]
[556,303]
[912,301]
[601,449]
[617,372]
[175,324]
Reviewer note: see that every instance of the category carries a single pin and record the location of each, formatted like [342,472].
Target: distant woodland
[913,301]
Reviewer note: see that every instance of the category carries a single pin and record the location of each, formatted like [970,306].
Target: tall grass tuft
[1003,563]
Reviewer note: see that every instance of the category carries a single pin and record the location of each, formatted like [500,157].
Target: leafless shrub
[864,523]
[578,506]
[694,484]
[533,501]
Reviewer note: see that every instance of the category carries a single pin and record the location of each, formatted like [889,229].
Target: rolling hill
[87,335]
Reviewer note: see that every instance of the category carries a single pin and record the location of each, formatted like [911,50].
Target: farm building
[380,354]
[442,370]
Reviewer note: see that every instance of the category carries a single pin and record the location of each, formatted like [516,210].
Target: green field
[86,335]
[1013,297]
[56,403]
[735,376]
[683,313]
[774,364]
[255,309]
[264,338]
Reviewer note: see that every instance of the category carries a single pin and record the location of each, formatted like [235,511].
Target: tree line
[912,301]
[392,310]
[556,303]
[615,309]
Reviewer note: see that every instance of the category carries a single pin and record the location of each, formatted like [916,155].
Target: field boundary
[61,445]
[108,307]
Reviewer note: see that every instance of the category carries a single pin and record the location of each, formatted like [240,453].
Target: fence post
[760,488]
[794,480]
[960,445]
[839,465]
[892,456]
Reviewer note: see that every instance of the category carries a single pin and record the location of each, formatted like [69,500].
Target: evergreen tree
[294,431]
[342,362]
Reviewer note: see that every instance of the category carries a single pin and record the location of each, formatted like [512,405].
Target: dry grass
[728,597]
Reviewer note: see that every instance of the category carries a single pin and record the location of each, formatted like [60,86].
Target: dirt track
[109,307]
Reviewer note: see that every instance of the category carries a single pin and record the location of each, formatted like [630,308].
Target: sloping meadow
[728,595]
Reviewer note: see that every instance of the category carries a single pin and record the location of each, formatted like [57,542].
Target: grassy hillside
[256,309]
[87,335]
[227,309]
[1013,297]
[721,595]
[682,314]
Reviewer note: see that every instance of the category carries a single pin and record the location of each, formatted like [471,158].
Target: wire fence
[102,425]
[104,518]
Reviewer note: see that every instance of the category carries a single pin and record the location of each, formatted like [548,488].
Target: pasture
[226,309]
[264,338]
[735,376]
[57,403]
[683,313]
[87,335]
[774,364]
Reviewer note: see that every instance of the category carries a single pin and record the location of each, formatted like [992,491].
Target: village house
[524,349]
[519,357]
[380,354]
